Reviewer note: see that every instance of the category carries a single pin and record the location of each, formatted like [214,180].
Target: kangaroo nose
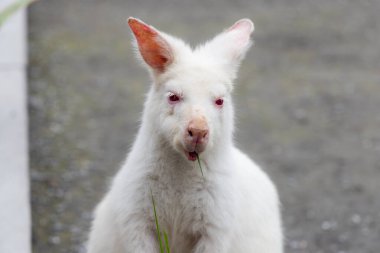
[198,131]
[198,135]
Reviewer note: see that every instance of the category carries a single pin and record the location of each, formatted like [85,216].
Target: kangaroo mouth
[192,156]
[192,152]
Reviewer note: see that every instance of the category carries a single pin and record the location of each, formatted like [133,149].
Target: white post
[15,224]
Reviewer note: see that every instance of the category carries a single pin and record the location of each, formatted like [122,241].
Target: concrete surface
[15,223]
[307,106]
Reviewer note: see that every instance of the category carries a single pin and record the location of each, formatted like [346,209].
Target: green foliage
[12,9]
[166,242]
[159,235]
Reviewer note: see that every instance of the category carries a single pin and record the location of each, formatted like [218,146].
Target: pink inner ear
[153,48]
[242,30]
[245,25]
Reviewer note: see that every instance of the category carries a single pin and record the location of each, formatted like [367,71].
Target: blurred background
[307,105]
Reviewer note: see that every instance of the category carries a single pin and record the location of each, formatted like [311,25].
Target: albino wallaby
[188,113]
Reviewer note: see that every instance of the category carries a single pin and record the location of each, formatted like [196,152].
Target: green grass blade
[157,226]
[13,8]
[166,242]
[200,166]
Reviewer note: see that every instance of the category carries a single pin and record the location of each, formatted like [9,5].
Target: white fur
[234,208]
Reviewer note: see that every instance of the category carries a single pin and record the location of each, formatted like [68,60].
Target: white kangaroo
[233,207]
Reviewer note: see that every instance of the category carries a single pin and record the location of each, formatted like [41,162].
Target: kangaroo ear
[153,47]
[230,46]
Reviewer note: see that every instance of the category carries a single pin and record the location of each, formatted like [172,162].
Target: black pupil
[219,102]
[173,98]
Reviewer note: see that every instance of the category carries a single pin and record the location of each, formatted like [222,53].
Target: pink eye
[219,102]
[173,98]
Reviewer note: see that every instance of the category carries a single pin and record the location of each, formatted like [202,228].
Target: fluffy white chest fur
[233,207]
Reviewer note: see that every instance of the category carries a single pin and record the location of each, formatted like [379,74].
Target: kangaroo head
[189,103]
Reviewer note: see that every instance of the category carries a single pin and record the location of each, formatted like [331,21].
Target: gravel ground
[307,103]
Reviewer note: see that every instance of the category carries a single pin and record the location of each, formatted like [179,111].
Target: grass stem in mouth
[199,162]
